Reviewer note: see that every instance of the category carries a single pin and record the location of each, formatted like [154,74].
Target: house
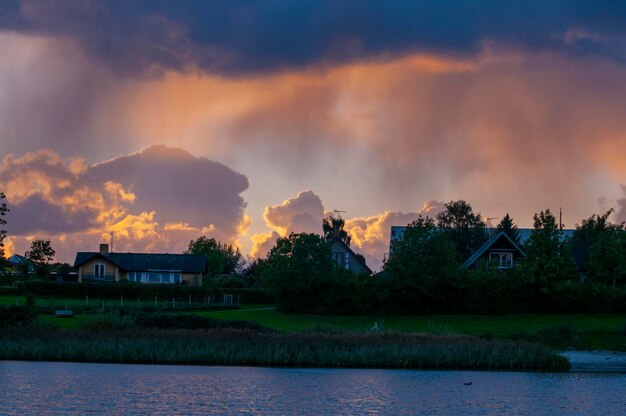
[21,263]
[500,251]
[103,266]
[343,256]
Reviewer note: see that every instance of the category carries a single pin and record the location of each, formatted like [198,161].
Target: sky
[163,121]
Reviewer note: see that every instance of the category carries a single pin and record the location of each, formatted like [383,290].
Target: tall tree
[606,257]
[422,266]
[298,270]
[3,232]
[463,226]
[333,229]
[221,258]
[591,227]
[41,255]
[548,257]
[508,226]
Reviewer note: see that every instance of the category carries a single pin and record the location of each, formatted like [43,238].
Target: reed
[226,346]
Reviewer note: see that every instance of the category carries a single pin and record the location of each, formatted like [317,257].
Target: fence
[209,302]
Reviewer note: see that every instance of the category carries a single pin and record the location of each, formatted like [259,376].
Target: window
[98,271]
[341,259]
[502,260]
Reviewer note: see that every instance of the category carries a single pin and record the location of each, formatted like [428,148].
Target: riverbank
[596,361]
[225,346]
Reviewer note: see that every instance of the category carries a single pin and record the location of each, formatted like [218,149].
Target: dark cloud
[179,187]
[35,215]
[162,195]
[239,36]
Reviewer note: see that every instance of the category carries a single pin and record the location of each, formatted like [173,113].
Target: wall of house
[109,268]
[191,279]
[353,263]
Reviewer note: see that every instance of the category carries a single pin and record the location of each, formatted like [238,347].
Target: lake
[42,388]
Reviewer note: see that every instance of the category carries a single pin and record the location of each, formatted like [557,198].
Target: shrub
[15,316]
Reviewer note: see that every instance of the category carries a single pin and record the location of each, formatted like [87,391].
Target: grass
[248,347]
[497,325]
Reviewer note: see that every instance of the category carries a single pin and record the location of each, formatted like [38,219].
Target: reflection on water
[114,389]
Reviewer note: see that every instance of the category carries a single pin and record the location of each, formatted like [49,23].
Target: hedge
[131,291]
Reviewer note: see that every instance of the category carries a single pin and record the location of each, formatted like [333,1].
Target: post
[17,300]
[173,303]
[189,299]
[121,301]
[86,300]
[155,300]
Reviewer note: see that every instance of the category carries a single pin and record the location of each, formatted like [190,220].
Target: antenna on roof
[489,225]
[111,241]
[338,212]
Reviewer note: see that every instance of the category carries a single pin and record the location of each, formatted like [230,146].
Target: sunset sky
[162,121]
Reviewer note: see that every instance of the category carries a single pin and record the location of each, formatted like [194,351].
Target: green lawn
[588,331]
[499,325]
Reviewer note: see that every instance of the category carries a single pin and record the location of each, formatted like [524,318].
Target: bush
[15,316]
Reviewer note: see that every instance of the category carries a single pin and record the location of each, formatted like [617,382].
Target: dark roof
[17,260]
[358,257]
[478,253]
[135,262]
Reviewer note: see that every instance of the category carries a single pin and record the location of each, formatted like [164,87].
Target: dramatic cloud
[246,36]
[304,213]
[301,214]
[377,106]
[372,234]
[154,200]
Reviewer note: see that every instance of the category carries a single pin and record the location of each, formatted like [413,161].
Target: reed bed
[226,346]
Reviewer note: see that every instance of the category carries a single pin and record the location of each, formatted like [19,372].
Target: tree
[509,228]
[41,255]
[3,233]
[298,271]
[590,228]
[221,258]
[422,263]
[333,229]
[548,257]
[606,258]
[464,227]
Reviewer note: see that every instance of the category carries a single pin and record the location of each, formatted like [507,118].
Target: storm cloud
[242,36]
[157,199]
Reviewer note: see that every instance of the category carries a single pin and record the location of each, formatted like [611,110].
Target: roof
[478,253]
[17,260]
[134,262]
[358,258]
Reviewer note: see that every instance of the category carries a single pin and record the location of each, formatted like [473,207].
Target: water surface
[40,388]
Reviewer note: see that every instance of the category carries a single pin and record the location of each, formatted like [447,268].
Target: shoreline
[596,361]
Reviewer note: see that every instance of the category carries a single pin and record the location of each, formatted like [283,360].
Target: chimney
[104,249]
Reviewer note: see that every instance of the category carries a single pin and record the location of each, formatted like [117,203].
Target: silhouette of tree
[549,259]
[3,233]
[41,255]
[508,226]
[464,227]
[333,229]
[221,258]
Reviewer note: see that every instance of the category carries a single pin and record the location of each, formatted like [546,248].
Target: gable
[500,242]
